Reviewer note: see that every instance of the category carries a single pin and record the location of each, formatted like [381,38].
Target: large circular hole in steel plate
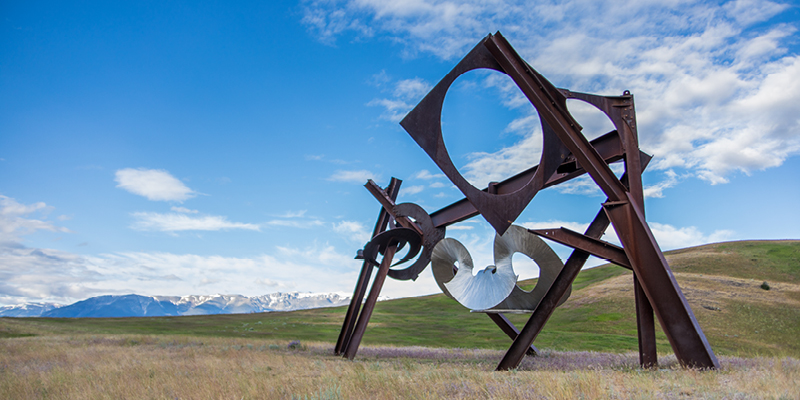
[489,129]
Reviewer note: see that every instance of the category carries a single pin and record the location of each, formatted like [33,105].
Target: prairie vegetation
[185,367]
[442,350]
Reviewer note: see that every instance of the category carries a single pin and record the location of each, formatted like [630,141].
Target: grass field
[755,332]
[191,367]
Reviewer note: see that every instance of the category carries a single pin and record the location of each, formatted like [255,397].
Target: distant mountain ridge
[27,310]
[133,305]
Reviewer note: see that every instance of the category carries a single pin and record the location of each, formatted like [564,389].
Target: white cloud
[275,284]
[293,214]
[11,207]
[752,11]
[412,89]
[409,190]
[152,221]
[657,190]
[358,176]
[494,167]
[716,85]
[405,95]
[394,110]
[296,219]
[13,221]
[296,223]
[183,210]
[29,272]
[319,255]
[670,237]
[352,230]
[41,274]
[154,184]
[427,175]
[582,185]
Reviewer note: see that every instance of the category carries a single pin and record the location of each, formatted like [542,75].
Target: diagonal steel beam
[392,191]
[366,312]
[659,285]
[509,329]
[388,205]
[645,327]
[596,247]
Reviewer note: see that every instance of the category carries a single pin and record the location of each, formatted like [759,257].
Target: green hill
[722,283]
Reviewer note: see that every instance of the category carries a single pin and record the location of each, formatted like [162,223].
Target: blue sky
[175,148]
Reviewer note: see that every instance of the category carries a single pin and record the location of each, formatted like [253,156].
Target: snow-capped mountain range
[133,305]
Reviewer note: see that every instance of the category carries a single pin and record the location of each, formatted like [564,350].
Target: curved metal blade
[399,236]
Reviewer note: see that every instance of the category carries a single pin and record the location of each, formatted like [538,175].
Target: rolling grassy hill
[722,283]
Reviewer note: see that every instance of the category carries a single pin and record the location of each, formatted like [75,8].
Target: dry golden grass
[182,367]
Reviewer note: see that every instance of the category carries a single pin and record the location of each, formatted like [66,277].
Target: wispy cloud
[296,223]
[672,237]
[494,167]
[405,95]
[352,230]
[296,219]
[316,254]
[183,210]
[657,190]
[427,175]
[445,27]
[293,214]
[154,184]
[716,85]
[172,222]
[409,190]
[275,284]
[15,220]
[357,176]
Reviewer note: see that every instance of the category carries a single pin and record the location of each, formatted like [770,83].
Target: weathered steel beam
[366,312]
[388,204]
[509,329]
[645,327]
[363,278]
[596,247]
[658,283]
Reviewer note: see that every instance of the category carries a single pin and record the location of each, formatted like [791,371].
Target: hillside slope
[722,283]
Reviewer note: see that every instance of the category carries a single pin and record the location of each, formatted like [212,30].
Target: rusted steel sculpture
[566,154]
